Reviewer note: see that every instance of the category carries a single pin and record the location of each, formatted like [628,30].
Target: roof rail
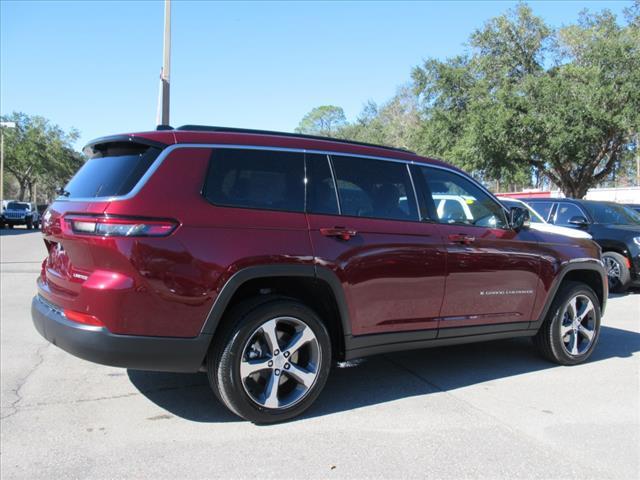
[206,128]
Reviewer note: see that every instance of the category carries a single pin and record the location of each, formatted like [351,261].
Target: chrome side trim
[335,183]
[171,148]
[415,194]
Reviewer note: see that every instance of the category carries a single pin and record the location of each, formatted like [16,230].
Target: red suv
[264,257]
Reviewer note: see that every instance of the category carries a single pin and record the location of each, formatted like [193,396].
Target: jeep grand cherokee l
[263,257]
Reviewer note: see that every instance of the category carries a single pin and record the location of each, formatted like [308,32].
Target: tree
[324,121]
[38,152]
[530,100]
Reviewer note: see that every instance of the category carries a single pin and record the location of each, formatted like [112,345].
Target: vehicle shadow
[383,378]
[16,231]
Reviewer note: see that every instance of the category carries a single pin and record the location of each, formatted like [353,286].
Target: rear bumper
[98,345]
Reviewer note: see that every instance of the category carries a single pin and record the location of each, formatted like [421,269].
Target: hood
[569,232]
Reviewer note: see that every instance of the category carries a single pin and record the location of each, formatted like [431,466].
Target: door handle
[462,238]
[340,232]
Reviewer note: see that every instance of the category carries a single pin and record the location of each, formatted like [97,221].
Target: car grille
[16,215]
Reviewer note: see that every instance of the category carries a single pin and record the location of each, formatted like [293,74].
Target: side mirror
[519,218]
[578,221]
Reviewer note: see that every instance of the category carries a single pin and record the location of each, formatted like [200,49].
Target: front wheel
[29,224]
[271,361]
[571,329]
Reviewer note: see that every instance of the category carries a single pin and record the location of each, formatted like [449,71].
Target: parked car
[539,223]
[264,257]
[614,227]
[20,213]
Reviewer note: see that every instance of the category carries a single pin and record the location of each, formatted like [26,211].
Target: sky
[94,65]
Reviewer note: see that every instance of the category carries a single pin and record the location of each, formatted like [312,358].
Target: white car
[539,223]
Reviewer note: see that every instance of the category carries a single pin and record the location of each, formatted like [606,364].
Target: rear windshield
[112,170]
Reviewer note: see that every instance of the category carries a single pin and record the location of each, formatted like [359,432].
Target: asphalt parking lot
[493,410]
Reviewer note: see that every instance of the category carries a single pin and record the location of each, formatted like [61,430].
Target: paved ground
[490,410]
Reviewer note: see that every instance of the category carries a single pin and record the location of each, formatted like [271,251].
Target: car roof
[195,134]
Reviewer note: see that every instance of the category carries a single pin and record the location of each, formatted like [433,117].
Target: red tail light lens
[118,226]
[83,318]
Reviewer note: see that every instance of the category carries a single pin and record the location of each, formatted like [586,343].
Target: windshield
[613,213]
[113,171]
[17,206]
[535,216]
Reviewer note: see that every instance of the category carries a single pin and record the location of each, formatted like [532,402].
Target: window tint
[566,211]
[321,190]
[256,179]
[543,208]
[374,188]
[612,213]
[113,170]
[457,200]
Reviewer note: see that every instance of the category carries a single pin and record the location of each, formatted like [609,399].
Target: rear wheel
[572,327]
[617,271]
[271,361]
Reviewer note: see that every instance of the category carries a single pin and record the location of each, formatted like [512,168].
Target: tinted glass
[613,214]
[113,170]
[535,217]
[256,179]
[374,188]
[321,191]
[17,206]
[543,208]
[457,200]
[565,212]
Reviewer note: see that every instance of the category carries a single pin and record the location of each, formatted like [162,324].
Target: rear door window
[543,208]
[374,188]
[262,179]
[113,170]
[321,190]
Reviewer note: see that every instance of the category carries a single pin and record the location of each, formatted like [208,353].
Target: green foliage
[526,102]
[38,152]
[323,121]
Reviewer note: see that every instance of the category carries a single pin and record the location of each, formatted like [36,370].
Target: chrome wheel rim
[613,271]
[280,363]
[577,329]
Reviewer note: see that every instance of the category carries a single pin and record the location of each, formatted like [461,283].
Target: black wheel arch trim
[592,264]
[270,271]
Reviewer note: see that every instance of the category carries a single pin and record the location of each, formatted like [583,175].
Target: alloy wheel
[577,329]
[280,362]
[614,271]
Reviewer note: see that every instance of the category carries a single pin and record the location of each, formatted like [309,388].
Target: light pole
[162,117]
[3,125]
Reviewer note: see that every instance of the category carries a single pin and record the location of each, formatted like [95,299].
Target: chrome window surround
[168,150]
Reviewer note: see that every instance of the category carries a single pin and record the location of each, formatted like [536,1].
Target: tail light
[105,226]
[83,318]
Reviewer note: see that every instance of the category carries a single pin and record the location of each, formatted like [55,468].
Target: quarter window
[263,179]
[459,201]
[374,188]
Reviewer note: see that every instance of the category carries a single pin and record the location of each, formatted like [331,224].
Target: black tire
[226,353]
[549,339]
[10,226]
[617,271]
[29,224]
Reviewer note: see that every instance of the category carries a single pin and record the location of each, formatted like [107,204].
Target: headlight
[636,240]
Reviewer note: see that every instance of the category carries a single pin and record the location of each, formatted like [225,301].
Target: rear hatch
[115,169]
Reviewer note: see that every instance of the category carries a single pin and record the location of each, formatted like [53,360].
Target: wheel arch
[589,271]
[317,287]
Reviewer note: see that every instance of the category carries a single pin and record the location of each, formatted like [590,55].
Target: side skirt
[365,345]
